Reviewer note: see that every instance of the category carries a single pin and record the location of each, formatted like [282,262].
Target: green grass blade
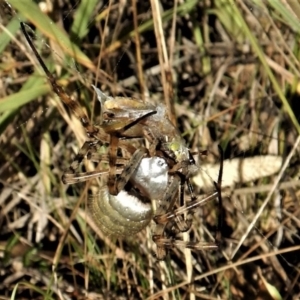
[12,27]
[82,18]
[16,100]
[31,11]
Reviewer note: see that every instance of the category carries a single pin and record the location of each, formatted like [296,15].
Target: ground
[228,71]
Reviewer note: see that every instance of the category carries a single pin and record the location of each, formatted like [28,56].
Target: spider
[129,195]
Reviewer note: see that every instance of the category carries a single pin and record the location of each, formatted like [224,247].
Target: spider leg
[153,141]
[168,243]
[163,243]
[167,216]
[84,176]
[89,151]
[182,224]
[218,186]
[97,157]
[164,205]
[91,130]
[112,154]
[116,184]
[164,218]
[70,174]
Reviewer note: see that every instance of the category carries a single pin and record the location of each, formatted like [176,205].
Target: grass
[230,72]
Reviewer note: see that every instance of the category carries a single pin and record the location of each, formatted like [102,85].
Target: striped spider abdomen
[130,211]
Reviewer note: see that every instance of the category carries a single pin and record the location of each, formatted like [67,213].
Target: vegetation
[229,69]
